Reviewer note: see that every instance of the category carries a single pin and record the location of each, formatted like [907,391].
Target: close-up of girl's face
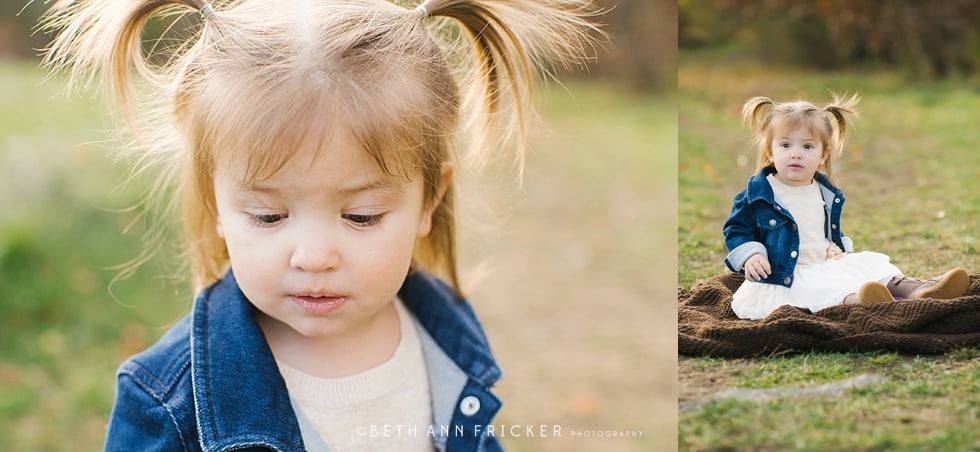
[323,245]
[322,191]
[797,155]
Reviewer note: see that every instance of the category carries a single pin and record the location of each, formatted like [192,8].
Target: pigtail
[513,43]
[843,111]
[516,41]
[757,114]
[104,37]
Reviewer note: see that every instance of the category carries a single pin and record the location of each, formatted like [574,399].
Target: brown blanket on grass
[706,324]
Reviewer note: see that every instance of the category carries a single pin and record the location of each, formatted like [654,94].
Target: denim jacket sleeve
[741,236]
[139,420]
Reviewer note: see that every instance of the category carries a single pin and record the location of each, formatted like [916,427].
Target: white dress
[817,282]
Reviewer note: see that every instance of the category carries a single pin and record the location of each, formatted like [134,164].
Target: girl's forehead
[293,145]
[799,127]
[338,165]
[796,132]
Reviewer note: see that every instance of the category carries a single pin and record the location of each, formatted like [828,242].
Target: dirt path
[577,292]
[698,382]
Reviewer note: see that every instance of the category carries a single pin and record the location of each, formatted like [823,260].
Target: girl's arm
[740,235]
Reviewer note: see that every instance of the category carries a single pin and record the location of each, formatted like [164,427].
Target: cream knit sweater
[807,207]
[386,407]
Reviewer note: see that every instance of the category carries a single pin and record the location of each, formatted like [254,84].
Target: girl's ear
[445,178]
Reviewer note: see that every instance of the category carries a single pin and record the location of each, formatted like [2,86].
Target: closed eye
[266,220]
[363,220]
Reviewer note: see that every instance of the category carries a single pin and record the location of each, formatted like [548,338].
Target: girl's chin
[797,173]
[796,179]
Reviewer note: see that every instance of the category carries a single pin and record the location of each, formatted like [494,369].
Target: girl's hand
[834,252]
[757,268]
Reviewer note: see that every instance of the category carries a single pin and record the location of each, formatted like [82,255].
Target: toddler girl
[784,230]
[312,148]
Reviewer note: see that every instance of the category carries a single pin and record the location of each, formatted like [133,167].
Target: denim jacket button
[469,406]
[837,200]
[786,280]
[834,226]
[772,222]
[793,254]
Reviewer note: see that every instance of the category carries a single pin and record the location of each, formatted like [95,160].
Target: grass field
[912,180]
[574,309]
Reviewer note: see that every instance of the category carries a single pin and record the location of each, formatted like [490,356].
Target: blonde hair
[831,124]
[258,77]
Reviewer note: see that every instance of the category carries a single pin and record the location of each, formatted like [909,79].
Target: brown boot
[874,292]
[951,284]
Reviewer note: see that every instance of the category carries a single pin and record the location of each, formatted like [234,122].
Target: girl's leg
[951,284]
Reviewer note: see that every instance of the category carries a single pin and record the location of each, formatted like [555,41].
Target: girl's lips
[319,305]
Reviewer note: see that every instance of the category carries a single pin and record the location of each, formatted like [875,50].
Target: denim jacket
[758,224]
[211,382]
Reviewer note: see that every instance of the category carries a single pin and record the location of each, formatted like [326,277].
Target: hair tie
[207,10]
[421,9]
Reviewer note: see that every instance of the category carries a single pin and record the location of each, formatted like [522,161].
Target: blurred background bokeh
[923,39]
[575,282]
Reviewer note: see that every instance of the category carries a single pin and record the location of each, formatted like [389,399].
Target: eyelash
[364,220]
[269,220]
[266,220]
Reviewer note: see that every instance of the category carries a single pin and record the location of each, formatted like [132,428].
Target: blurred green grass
[588,180]
[924,403]
[64,334]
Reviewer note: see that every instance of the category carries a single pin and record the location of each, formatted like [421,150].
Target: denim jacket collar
[223,370]
[459,336]
[759,188]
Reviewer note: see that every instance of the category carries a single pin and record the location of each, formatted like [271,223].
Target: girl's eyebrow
[388,185]
[258,188]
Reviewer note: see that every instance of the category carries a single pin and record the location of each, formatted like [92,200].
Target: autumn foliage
[929,39]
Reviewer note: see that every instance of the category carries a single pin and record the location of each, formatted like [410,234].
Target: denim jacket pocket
[774,231]
[769,221]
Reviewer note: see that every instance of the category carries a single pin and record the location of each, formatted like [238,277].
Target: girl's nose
[314,254]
